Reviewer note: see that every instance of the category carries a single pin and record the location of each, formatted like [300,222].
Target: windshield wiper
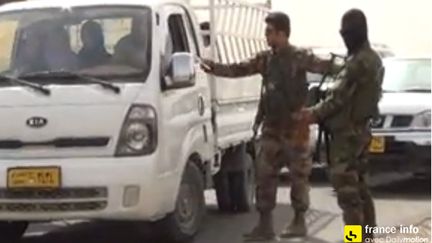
[20,81]
[67,74]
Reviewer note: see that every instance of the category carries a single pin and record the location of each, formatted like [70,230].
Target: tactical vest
[363,103]
[285,89]
[367,108]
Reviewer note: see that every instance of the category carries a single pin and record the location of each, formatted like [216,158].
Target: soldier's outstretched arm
[341,95]
[314,64]
[245,68]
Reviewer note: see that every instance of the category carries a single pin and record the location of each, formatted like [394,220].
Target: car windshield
[96,41]
[407,75]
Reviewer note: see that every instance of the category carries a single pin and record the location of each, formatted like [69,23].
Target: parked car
[402,133]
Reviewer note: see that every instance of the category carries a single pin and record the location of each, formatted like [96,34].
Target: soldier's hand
[255,129]
[306,116]
[207,65]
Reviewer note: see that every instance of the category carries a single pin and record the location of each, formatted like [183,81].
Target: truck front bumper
[91,188]
[408,151]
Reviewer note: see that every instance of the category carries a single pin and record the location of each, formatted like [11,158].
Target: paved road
[403,202]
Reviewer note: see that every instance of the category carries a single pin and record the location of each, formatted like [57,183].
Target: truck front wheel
[183,224]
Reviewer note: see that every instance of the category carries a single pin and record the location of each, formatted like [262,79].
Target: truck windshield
[407,75]
[97,41]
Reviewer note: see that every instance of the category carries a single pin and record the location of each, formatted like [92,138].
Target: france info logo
[353,233]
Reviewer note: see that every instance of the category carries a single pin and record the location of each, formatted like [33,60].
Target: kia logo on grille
[37,122]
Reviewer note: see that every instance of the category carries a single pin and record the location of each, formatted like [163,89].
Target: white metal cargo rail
[235,38]
[236,34]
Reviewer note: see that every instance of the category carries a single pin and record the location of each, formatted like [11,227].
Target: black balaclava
[354,30]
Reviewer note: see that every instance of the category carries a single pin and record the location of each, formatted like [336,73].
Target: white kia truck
[107,115]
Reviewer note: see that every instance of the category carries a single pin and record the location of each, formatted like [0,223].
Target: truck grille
[401,121]
[63,193]
[53,207]
[396,121]
[72,199]
[58,143]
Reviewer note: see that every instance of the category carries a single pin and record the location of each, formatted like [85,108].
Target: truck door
[187,110]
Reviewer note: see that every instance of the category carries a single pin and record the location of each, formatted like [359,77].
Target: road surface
[403,202]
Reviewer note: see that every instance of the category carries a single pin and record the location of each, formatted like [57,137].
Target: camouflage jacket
[353,98]
[284,79]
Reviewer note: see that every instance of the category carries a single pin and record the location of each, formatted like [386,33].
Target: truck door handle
[201,105]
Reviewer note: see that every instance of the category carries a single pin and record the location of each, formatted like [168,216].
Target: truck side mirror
[181,71]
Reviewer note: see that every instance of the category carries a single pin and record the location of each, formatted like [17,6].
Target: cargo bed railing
[236,30]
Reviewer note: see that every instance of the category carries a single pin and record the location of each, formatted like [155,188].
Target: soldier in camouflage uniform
[285,141]
[346,113]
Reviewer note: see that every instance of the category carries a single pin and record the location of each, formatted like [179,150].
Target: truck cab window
[192,37]
[7,38]
[178,34]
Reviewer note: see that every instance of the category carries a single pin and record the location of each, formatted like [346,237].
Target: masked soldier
[346,113]
[284,141]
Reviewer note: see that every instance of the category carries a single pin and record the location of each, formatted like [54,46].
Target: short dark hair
[280,21]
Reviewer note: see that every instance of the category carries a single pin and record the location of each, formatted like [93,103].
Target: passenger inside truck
[57,50]
[93,51]
[132,49]
[105,41]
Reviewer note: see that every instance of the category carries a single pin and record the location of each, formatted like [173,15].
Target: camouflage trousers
[348,156]
[279,148]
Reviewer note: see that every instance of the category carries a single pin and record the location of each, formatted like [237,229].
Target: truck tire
[11,232]
[222,188]
[235,185]
[242,186]
[183,224]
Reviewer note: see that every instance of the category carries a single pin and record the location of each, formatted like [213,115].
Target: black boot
[264,231]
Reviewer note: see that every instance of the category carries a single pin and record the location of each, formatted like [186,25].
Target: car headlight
[422,120]
[139,132]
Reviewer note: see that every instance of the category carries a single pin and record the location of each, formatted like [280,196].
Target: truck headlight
[139,132]
[422,120]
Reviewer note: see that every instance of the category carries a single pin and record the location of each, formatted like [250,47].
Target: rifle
[259,117]
[317,96]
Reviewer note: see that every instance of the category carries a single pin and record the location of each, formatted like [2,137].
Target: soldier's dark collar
[363,46]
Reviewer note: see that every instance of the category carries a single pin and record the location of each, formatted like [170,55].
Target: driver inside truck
[57,50]
[29,51]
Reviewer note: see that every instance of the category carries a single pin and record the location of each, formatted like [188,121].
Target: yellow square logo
[353,233]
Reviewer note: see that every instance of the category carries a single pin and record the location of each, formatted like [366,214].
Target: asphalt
[405,202]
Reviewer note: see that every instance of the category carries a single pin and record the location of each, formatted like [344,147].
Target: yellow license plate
[34,177]
[377,145]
